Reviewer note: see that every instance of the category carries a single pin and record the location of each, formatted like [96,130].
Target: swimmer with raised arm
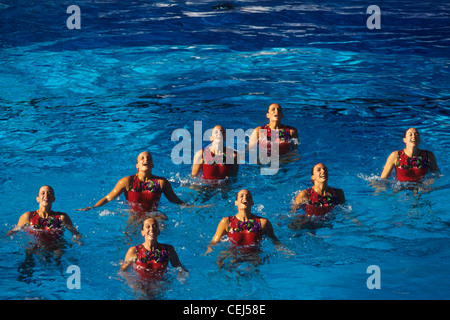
[142,190]
[216,161]
[411,164]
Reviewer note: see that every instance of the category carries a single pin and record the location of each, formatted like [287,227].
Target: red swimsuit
[212,170]
[47,230]
[411,169]
[151,262]
[244,233]
[282,138]
[320,205]
[143,196]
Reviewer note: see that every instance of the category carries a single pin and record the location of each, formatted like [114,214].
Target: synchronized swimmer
[286,137]
[244,228]
[46,225]
[317,200]
[411,164]
[142,190]
[151,257]
[44,218]
[216,161]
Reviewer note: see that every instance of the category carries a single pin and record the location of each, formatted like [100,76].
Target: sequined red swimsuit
[155,261]
[244,233]
[48,229]
[143,196]
[282,138]
[411,169]
[212,170]
[320,205]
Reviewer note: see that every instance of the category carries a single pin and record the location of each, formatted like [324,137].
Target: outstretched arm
[169,193]
[120,187]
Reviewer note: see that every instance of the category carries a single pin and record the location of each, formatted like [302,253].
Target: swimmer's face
[46,196]
[412,137]
[150,229]
[144,162]
[218,134]
[244,199]
[274,112]
[319,173]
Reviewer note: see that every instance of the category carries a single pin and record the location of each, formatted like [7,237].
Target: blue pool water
[78,106]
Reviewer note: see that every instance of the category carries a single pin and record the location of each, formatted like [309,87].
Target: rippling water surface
[77,106]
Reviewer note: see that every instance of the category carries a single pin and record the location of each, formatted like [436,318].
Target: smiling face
[244,200]
[144,162]
[319,173]
[274,112]
[218,134]
[411,137]
[150,229]
[46,196]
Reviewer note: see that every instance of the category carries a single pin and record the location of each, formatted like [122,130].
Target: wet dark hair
[312,169]
[272,104]
[404,134]
[241,190]
[48,187]
[137,158]
[146,218]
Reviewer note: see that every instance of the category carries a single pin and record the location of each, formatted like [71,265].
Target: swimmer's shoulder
[27,216]
[340,194]
[302,195]
[126,181]
[160,179]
